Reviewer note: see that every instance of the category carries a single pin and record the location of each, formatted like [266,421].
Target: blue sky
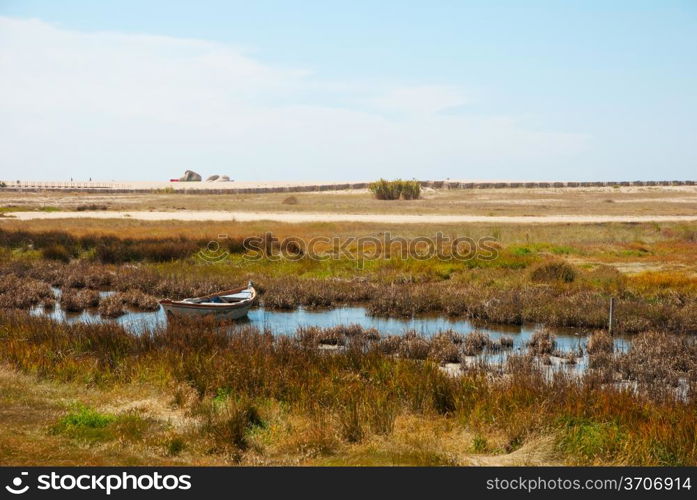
[349,90]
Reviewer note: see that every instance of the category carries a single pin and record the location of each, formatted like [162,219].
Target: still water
[287,322]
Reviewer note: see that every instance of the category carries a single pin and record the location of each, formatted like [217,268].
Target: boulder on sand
[223,178]
[213,178]
[190,176]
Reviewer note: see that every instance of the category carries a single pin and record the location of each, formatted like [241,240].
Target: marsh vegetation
[203,394]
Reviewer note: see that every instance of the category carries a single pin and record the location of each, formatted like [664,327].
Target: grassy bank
[190,393]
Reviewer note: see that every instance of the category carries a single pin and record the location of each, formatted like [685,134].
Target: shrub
[394,190]
[444,348]
[475,342]
[77,301]
[411,190]
[291,200]
[542,342]
[553,271]
[90,207]
[112,306]
[600,342]
[56,252]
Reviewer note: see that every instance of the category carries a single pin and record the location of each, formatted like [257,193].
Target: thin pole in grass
[612,315]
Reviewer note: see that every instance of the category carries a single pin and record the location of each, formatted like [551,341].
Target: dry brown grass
[625,201]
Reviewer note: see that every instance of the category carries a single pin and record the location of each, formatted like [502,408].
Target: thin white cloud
[125,106]
[425,99]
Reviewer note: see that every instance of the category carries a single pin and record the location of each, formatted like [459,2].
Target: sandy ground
[203,215]
[155,185]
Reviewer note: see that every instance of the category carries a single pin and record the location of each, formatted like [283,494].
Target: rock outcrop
[190,176]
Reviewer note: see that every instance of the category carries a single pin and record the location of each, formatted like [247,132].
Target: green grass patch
[89,425]
[591,441]
[85,424]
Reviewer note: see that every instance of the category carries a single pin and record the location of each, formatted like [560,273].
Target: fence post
[612,315]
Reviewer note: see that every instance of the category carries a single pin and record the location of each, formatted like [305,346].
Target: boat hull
[226,305]
[218,312]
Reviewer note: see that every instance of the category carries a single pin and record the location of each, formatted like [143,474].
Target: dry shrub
[290,200]
[139,300]
[414,346]
[445,348]
[475,342]
[56,252]
[112,306]
[541,342]
[394,190]
[78,300]
[554,271]
[390,345]
[600,341]
[22,292]
[91,207]
[658,360]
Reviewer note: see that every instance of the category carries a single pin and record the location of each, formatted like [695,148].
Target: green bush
[394,190]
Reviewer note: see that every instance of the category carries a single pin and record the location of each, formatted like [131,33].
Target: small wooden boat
[228,304]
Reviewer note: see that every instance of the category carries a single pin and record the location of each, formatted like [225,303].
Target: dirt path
[202,215]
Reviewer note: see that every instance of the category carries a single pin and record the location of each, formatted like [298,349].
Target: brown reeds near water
[359,390]
[73,300]
[563,305]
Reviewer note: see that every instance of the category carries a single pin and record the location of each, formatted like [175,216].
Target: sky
[335,90]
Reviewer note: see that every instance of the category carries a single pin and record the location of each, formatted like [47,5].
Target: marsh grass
[236,375]
[483,295]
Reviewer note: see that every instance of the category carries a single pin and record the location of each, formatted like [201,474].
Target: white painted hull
[220,313]
[227,305]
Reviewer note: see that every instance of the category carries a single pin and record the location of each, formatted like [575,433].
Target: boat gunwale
[213,305]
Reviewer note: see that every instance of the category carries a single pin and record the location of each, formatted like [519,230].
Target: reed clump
[112,306]
[17,292]
[446,347]
[139,300]
[542,342]
[73,300]
[599,342]
[475,343]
